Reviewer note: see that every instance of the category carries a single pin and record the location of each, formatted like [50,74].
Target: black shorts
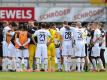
[1,51]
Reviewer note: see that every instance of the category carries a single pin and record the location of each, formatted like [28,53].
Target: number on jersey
[42,37]
[80,35]
[68,35]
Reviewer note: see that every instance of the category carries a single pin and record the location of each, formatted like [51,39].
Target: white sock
[38,63]
[78,64]
[59,63]
[82,64]
[9,64]
[14,63]
[42,64]
[4,64]
[101,64]
[69,63]
[25,64]
[65,63]
[46,64]
[18,64]
[94,64]
[73,64]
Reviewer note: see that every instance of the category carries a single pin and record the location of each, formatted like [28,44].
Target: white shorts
[58,53]
[41,51]
[80,49]
[8,50]
[95,51]
[66,49]
[23,53]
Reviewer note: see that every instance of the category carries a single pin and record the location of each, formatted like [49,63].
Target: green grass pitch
[53,76]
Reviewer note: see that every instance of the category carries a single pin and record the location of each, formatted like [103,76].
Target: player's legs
[58,56]
[73,60]
[99,59]
[18,60]
[70,54]
[38,56]
[53,57]
[94,55]
[78,55]
[25,57]
[83,54]
[49,58]
[32,49]
[11,55]
[5,59]
[65,57]
[45,57]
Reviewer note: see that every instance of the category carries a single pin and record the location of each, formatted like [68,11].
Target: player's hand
[21,47]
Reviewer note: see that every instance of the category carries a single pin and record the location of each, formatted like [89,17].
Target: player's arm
[17,40]
[49,38]
[33,36]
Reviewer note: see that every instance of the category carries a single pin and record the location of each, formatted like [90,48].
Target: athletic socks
[82,64]
[38,63]
[78,64]
[94,64]
[65,64]
[101,64]
[46,64]
[59,63]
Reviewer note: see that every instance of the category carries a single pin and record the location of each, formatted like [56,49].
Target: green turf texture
[53,76]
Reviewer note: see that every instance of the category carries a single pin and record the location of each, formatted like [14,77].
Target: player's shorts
[23,53]
[66,48]
[80,49]
[8,50]
[41,51]
[95,51]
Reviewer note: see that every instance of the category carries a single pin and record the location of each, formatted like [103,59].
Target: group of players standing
[38,48]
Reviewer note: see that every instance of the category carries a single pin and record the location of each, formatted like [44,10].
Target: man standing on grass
[41,51]
[22,42]
[66,45]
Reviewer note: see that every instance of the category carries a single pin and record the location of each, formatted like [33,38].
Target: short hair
[65,22]
[43,25]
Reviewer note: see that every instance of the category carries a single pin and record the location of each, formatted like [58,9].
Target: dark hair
[65,22]
[43,25]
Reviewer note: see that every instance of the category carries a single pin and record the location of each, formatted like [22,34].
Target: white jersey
[42,36]
[66,34]
[5,31]
[97,34]
[78,34]
[84,35]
